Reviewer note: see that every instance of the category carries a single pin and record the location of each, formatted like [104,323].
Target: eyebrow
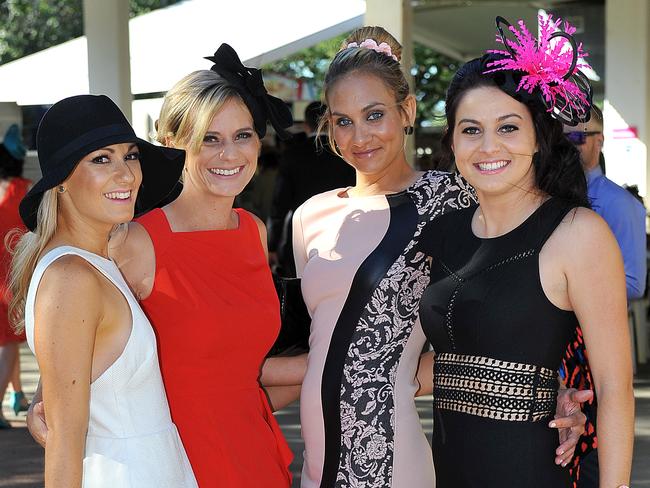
[503,117]
[364,109]
[216,132]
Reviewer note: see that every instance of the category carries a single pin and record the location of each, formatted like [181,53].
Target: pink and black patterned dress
[362,279]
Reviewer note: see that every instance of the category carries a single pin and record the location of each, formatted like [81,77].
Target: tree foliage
[432,73]
[29,26]
[310,64]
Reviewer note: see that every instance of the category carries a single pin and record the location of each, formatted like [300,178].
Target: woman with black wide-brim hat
[109,422]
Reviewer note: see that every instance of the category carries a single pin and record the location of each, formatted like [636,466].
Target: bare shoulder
[129,240]
[69,286]
[583,225]
[582,236]
[134,253]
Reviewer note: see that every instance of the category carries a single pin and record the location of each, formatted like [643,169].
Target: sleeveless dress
[9,219]
[499,342]
[216,314]
[362,278]
[131,440]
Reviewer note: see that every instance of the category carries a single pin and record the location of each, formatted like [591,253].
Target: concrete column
[106,26]
[627,92]
[396,16]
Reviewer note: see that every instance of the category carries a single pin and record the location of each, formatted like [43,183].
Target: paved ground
[21,460]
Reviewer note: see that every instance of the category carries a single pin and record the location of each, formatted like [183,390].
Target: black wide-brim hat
[77,126]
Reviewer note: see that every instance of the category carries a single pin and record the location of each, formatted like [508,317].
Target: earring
[408,130]
[60,189]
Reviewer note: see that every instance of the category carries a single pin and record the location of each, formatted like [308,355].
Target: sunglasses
[579,137]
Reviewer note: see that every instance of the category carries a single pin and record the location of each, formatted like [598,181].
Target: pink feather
[544,65]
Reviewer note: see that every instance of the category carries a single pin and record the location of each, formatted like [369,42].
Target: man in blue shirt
[624,214]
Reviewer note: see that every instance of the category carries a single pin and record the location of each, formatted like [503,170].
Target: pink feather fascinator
[549,65]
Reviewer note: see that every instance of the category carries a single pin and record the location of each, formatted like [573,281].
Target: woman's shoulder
[69,279]
[582,233]
[583,223]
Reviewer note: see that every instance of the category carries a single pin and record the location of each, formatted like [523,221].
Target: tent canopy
[168,43]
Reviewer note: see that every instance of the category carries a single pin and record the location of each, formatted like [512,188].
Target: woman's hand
[570,422]
[36,418]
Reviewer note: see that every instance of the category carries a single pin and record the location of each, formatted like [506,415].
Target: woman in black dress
[514,274]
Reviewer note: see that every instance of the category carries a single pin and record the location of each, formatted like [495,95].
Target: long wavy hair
[26,248]
[557,166]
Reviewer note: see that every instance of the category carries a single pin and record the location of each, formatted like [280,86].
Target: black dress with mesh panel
[499,342]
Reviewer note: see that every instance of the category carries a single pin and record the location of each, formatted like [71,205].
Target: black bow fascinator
[249,84]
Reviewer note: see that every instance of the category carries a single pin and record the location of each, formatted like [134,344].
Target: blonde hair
[189,107]
[364,60]
[26,248]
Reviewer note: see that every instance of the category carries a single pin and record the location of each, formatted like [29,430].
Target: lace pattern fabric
[500,390]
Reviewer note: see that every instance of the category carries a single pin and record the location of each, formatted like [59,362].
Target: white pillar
[396,16]
[627,92]
[106,26]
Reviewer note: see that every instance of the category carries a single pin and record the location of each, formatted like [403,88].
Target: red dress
[216,315]
[9,219]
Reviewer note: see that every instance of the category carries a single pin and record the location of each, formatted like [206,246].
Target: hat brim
[161,170]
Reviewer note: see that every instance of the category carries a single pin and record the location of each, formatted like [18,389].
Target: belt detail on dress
[492,388]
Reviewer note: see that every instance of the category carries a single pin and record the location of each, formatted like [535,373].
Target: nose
[126,172]
[489,143]
[228,152]
[361,135]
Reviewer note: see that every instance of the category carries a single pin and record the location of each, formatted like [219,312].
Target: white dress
[131,441]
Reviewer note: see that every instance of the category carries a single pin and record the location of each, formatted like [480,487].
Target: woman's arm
[66,315]
[283,371]
[424,374]
[596,290]
[282,396]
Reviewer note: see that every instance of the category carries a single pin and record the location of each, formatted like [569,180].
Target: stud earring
[408,130]
[60,189]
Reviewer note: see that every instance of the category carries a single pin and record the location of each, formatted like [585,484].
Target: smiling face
[103,187]
[367,124]
[227,158]
[494,142]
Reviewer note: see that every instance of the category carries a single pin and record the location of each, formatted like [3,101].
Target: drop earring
[408,130]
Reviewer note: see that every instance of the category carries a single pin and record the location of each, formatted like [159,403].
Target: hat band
[87,138]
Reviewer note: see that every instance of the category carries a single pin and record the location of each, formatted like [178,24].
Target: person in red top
[202,276]
[12,189]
